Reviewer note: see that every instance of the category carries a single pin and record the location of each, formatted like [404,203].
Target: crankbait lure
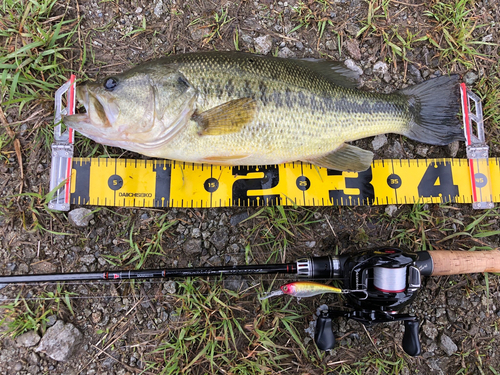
[302,289]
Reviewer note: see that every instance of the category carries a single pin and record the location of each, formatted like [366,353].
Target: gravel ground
[113,328]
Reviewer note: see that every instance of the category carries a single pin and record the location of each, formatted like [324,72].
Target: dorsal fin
[334,71]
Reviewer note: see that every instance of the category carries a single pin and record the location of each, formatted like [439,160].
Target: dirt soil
[122,325]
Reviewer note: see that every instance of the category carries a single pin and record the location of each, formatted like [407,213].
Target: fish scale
[243,109]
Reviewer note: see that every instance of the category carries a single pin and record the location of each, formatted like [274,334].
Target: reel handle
[323,334]
[411,342]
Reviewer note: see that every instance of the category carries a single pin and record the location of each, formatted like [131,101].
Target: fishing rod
[377,282]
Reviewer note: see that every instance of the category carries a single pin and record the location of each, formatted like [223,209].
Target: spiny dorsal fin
[334,71]
[226,118]
[345,158]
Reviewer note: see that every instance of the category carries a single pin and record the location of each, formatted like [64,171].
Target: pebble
[220,239]
[350,64]
[379,141]
[380,67]
[263,44]
[470,78]
[192,247]
[60,341]
[238,218]
[80,217]
[430,330]
[286,53]
[88,259]
[30,338]
[158,9]
[447,344]
[391,210]
[453,148]
[169,287]
[352,47]
[412,69]
[331,45]
[422,150]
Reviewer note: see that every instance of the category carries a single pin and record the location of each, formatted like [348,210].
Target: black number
[242,187]
[438,182]
[362,182]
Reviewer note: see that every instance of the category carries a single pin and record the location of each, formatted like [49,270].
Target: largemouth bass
[236,108]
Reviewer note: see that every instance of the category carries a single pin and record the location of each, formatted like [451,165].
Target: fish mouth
[96,118]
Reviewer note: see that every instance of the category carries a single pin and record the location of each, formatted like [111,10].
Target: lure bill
[304,289]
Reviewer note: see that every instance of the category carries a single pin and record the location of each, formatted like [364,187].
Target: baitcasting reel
[385,280]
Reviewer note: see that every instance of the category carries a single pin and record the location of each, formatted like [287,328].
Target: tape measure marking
[162,183]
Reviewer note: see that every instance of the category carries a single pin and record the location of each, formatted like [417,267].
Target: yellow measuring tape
[162,183]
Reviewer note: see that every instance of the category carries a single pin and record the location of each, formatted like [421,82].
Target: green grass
[276,229]
[214,331]
[141,247]
[23,315]
[32,42]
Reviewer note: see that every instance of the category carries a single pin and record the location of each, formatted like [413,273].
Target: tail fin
[435,105]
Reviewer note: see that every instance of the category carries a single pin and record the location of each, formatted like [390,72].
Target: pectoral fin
[345,158]
[226,118]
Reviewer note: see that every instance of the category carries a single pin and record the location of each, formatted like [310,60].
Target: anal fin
[345,158]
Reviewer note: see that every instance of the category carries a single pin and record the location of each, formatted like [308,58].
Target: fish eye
[285,288]
[110,83]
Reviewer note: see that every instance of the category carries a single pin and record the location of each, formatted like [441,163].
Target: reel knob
[323,335]
[411,342]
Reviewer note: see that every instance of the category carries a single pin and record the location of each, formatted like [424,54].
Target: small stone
[80,217]
[235,283]
[220,238]
[18,366]
[87,259]
[198,33]
[238,218]
[453,148]
[263,44]
[422,150]
[350,64]
[138,10]
[158,10]
[196,233]
[51,320]
[391,210]
[286,53]
[310,244]
[430,330]
[331,45]
[447,344]
[169,287]
[487,38]
[44,267]
[380,68]
[412,69]
[192,247]
[30,338]
[470,78]
[96,317]
[379,141]
[352,47]
[397,151]
[39,168]
[60,341]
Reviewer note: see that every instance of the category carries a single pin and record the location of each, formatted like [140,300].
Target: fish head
[139,110]
[289,289]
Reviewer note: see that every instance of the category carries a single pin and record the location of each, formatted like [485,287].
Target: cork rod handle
[457,262]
